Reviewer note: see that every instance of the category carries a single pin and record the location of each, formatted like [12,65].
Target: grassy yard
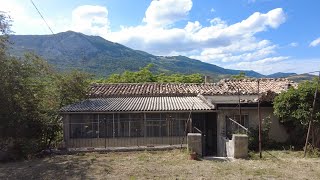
[173,164]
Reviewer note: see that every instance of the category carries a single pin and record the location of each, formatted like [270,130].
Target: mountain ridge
[67,50]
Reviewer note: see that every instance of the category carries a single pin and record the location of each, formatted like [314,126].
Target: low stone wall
[237,147]
[124,141]
[194,141]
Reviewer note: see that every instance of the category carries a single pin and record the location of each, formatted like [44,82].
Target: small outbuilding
[161,114]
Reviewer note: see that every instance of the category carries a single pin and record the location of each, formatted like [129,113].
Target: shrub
[254,135]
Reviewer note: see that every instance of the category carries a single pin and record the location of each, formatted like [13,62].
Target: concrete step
[215,158]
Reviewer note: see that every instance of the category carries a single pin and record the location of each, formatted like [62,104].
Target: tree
[31,94]
[72,87]
[241,75]
[145,75]
[5,30]
[294,109]
[180,78]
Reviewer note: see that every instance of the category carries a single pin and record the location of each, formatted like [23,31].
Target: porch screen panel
[83,126]
[136,125]
[106,125]
[124,125]
[156,125]
[181,123]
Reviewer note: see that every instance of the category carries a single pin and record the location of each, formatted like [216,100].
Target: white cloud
[212,10]
[217,21]
[26,19]
[164,40]
[280,64]
[218,42]
[166,12]
[265,66]
[315,42]
[294,44]
[244,50]
[258,22]
[193,27]
[90,19]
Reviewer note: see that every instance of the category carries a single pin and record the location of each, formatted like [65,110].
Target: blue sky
[267,36]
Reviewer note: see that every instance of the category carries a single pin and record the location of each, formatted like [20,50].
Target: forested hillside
[96,55]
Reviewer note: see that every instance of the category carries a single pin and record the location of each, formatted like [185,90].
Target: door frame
[201,122]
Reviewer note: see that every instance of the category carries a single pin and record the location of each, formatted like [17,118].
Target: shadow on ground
[55,167]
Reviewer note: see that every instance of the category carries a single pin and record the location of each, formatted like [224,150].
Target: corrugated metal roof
[130,104]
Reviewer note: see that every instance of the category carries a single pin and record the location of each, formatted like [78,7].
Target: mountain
[281,75]
[96,55]
[301,77]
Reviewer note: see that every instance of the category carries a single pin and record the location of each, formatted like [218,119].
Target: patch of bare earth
[173,164]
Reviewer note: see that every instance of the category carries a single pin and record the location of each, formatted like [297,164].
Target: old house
[158,114]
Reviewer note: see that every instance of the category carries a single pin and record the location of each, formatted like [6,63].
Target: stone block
[194,141]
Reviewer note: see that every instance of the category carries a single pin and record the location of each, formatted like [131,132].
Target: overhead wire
[47,24]
[41,16]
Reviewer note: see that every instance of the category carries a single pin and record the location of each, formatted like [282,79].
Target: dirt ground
[173,164]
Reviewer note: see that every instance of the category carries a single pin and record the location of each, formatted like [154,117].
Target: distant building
[157,114]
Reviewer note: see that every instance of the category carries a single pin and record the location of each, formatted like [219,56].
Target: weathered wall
[277,131]
[124,141]
[237,147]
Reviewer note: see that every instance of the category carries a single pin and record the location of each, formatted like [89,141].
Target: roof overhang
[140,104]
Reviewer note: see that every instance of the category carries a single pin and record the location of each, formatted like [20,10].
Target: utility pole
[311,116]
[240,114]
[260,123]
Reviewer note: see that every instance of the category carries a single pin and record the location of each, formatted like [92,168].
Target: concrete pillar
[194,141]
[66,129]
[238,146]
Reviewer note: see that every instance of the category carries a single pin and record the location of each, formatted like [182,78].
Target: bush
[254,136]
[313,152]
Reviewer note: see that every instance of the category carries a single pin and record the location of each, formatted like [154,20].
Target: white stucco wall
[277,131]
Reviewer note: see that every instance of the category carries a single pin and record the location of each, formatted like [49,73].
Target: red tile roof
[223,87]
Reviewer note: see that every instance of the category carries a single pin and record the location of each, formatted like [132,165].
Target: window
[244,121]
[233,128]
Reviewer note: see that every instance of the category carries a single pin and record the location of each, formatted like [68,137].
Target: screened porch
[124,129]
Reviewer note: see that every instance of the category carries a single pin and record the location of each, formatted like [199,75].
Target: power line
[62,46]
[41,16]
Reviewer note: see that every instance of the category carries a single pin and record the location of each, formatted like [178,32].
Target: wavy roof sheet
[130,104]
